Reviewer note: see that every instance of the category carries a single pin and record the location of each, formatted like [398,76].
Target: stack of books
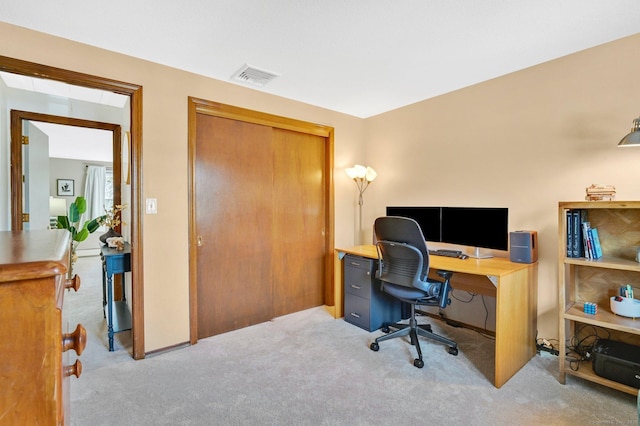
[601,193]
[582,239]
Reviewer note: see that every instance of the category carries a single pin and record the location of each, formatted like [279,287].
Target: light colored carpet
[308,368]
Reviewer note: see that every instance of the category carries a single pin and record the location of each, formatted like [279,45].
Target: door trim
[134,92]
[201,106]
[17,118]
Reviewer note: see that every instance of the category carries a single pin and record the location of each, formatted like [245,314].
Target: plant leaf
[74,213]
[82,235]
[63,222]
[93,225]
[81,204]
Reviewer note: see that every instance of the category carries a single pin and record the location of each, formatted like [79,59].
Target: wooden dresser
[34,368]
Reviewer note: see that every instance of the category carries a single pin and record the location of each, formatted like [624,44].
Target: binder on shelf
[570,234]
[578,241]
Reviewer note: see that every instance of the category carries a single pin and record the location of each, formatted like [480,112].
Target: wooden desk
[514,285]
[117,312]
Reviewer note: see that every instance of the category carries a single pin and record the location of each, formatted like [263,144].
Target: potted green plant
[79,232]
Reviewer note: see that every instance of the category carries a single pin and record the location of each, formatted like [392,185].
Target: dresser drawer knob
[353,314]
[357,287]
[76,340]
[73,370]
[73,283]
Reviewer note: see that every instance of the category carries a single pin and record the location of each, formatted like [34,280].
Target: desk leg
[110,311]
[516,323]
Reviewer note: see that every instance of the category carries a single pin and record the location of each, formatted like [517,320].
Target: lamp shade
[356,171]
[370,174]
[57,206]
[633,138]
[361,172]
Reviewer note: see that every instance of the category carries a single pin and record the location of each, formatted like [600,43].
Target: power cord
[543,345]
[579,349]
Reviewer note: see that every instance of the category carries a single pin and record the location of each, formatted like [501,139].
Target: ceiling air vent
[253,75]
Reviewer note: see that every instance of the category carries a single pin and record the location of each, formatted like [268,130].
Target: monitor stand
[477,255]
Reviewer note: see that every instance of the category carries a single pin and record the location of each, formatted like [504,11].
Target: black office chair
[403,268]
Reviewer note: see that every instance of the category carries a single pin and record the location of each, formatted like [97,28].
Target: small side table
[117,313]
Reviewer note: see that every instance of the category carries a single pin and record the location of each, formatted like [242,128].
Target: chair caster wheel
[374,347]
[418,363]
[385,329]
[453,350]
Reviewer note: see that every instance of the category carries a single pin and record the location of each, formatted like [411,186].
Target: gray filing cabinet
[365,305]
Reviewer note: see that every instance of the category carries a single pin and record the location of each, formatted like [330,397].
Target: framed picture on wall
[65,187]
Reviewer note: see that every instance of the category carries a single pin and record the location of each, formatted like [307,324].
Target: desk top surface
[495,266]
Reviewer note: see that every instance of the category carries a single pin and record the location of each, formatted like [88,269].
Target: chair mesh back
[403,230]
[402,264]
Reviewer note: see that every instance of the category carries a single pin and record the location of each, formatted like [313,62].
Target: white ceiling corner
[358,57]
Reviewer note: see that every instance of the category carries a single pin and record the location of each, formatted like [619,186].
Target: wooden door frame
[201,106]
[134,92]
[17,118]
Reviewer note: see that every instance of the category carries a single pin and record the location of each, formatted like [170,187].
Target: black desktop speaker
[523,246]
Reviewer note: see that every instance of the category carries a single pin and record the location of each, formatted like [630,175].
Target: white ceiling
[359,57]
[78,143]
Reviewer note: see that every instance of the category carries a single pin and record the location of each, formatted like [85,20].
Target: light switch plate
[152,206]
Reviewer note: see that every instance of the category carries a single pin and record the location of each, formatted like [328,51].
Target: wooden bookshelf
[584,280]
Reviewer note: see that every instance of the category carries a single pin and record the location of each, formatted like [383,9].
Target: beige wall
[524,141]
[164,165]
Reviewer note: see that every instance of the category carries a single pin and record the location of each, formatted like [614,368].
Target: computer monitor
[478,227]
[427,217]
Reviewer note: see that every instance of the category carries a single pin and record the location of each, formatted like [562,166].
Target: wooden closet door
[298,221]
[233,199]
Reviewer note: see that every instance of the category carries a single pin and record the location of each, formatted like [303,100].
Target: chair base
[413,330]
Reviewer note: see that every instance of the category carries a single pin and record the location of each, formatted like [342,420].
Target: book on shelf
[582,240]
[570,236]
[588,252]
[595,238]
[578,216]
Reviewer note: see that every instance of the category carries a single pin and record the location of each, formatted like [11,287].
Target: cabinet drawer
[357,276]
[117,264]
[356,311]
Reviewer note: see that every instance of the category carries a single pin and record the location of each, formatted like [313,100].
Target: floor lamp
[362,176]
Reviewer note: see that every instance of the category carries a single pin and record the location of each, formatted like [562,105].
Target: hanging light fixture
[633,138]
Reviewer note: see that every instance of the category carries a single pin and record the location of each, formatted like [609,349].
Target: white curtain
[94,190]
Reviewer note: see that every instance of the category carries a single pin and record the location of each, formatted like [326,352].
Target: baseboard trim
[166,349]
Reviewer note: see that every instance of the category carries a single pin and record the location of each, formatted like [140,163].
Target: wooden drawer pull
[73,370]
[76,340]
[73,283]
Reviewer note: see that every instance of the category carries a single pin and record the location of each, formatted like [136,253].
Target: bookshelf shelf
[605,262]
[604,318]
[586,280]
[585,371]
